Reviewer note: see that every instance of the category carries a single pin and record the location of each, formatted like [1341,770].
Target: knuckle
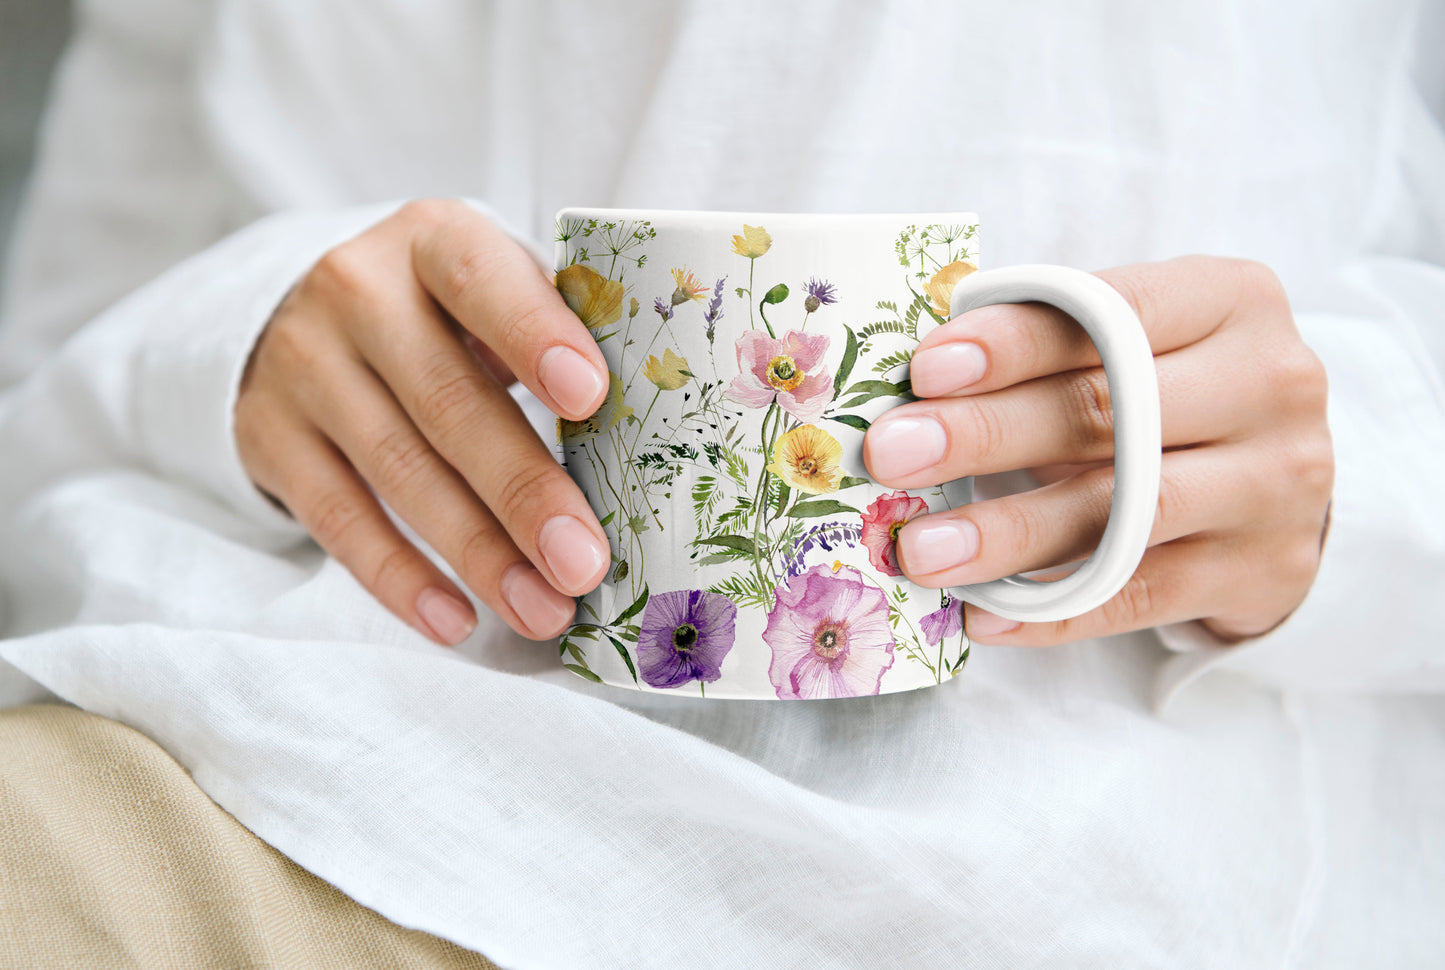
[1136,291]
[521,325]
[474,271]
[1023,532]
[450,392]
[1260,282]
[344,270]
[1093,410]
[399,456]
[986,432]
[427,211]
[528,485]
[1133,606]
[333,518]
[477,561]
[392,570]
[1300,377]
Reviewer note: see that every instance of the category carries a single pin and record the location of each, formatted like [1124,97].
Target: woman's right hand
[368,380]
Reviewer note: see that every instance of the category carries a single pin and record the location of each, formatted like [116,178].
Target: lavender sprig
[714,310]
[824,537]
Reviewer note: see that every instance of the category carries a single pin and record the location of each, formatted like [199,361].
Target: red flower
[880,528]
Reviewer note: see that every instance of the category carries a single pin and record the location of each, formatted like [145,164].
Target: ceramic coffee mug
[752,557]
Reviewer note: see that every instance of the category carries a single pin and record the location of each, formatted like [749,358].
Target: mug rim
[733,216]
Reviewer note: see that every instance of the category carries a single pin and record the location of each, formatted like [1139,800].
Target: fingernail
[542,609]
[572,552]
[947,368]
[449,619]
[571,379]
[982,623]
[901,446]
[929,548]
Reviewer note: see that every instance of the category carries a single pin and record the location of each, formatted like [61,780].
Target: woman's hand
[1248,467]
[364,382]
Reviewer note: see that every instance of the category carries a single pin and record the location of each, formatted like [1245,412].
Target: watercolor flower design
[669,373]
[881,522]
[940,285]
[944,622]
[596,300]
[809,459]
[685,635]
[829,634]
[789,371]
[782,537]
[754,242]
[820,293]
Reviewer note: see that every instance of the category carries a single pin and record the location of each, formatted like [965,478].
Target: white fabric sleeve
[1375,617]
[152,382]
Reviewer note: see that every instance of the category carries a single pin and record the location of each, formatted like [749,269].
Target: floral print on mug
[746,437]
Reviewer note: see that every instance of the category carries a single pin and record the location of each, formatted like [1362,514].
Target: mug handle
[1134,395]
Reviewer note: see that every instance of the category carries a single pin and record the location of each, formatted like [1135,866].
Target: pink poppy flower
[829,634]
[880,528]
[790,370]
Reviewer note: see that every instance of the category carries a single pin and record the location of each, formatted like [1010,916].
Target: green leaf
[634,609]
[777,294]
[740,543]
[850,357]
[625,657]
[851,420]
[868,390]
[783,492]
[608,518]
[825,506]
[577,655]
[849,481]
[586,631]
[620,573]
[740,291]
[581,671]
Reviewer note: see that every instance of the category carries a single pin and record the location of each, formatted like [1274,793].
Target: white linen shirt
[1287,808]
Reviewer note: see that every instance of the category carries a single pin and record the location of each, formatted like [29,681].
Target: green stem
[764,315]
[752,262]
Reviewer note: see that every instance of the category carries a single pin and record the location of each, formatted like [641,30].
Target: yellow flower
[940,286]
[596,300]
[670,373]
[614,410]
[688,287]
[573,431]
[807,459]
[753,242]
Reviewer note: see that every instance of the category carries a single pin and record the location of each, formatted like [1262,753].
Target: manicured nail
[982,623]
[573,553]
[571,379]
[542,609]
[901,446]
[451,621]
[931,547]
[947,368]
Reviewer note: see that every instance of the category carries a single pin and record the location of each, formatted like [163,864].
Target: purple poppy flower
[820,293]
[944,622]
[829,634]
[685,636]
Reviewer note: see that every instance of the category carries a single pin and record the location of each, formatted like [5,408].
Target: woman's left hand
[1248,466]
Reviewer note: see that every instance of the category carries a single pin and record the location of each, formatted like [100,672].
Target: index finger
[489,285]
[1179,301]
